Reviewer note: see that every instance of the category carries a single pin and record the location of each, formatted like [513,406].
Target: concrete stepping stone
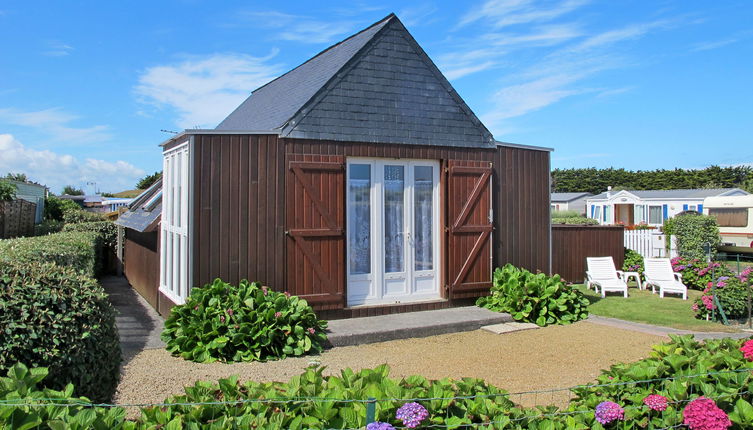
[509,327]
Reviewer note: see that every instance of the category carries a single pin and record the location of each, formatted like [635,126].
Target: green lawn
[645,307]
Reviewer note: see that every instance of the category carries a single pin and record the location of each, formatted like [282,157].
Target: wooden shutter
[469,228]
[315,220]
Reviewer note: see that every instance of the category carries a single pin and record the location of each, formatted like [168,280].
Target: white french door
[392,231]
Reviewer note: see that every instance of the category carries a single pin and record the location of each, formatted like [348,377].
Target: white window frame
[661,214]
[175,244]
[597,213]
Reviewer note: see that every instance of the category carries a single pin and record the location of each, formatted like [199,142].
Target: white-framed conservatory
[175,224]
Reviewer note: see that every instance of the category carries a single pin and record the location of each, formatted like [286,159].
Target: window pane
[394,209]
[655,215]
[423,189]
[730,217]
[597,213]
[359,218]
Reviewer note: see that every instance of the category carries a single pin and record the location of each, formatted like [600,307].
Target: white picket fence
[649,243]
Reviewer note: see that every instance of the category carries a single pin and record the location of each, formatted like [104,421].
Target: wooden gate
[469,227]
[315,220]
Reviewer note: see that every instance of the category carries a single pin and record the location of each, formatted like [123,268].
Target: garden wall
[571,244]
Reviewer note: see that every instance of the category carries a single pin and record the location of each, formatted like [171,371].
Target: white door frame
[417,285]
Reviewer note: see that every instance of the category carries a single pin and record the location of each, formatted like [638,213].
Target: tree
[20,177]
[148,180]
[7,191]
[72,191]
[54,208]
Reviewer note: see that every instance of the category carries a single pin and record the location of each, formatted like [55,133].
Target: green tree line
[596,181]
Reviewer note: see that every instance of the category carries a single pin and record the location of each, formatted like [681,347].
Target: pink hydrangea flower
[606,412]
[311,330]
[278,314]
[703,414]
[747,350]
[694,307]
[708,301]
[656,402]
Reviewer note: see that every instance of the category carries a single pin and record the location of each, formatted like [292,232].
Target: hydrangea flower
[708,301]
[376,425]
[747,350]
[656,402]
[412,414]
[278,314]
[311,330]
[703,414]
[606,412]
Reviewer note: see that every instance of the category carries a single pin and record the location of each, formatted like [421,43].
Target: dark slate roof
[696,193]
[272,105]
[568,197]
[144,211]
[376,86]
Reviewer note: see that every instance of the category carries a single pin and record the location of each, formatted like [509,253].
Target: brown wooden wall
[571,244]
[240,204]
[521,201]
[239,209]
[141,263]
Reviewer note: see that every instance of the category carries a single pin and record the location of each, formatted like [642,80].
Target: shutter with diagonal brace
[315,219]
[469,227]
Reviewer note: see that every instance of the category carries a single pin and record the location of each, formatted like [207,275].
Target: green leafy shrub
[698,274]
[539,298]
[22,385]
[633,263]
[247,322]
[732,293]
[7,191]
[106,230]
[48,227]
[566,214]
[55,207]
[78,250]
[692,232]
[78,215]
[575,221]
[56,317]
[669,371]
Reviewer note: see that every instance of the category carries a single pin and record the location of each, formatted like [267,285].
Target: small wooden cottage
[360,181]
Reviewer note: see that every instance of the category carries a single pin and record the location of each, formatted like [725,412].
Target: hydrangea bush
[247,322]
[697,273]
[732,293]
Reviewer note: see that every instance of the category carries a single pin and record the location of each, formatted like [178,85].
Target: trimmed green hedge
[57,317]
[77,215]
[78,250]
[107,231]
[576,220]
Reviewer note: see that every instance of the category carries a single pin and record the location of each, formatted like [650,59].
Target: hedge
[57,317]
[107,231]
[79,250]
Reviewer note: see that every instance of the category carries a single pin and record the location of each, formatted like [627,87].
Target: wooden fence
[17,218]
[571,244]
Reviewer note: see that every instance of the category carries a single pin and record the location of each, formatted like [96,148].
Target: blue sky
[86,87]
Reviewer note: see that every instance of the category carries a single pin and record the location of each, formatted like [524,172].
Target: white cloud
[57,170]
[204,90]
[57,49]
[706,46]
[55,123]
[633,31]
[502,13]
[300,28]
[415,16]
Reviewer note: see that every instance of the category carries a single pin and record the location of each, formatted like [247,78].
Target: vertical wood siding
[141,263]
[571,244]
[239,210]
[240,205]
[522,214]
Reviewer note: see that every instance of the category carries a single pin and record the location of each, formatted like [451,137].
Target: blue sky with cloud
[86,87]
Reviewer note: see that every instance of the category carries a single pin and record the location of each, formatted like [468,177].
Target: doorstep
[358,331]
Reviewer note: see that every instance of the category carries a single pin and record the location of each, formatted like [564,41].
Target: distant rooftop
[568,197]
[695,193]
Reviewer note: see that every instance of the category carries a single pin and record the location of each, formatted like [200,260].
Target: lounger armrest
[620,274]
[588,275]
[678,276]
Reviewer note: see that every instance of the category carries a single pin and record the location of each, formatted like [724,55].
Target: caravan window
[730,217]
[655,215]
[597,213]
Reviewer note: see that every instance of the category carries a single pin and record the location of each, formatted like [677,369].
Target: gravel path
[552,357]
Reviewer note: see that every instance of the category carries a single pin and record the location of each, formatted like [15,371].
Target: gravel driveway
[552,357]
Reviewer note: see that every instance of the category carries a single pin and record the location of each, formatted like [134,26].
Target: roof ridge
[388,17]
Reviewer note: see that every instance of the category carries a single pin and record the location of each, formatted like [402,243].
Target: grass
[644,307]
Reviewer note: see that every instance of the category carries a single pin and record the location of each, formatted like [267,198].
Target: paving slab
[509,327]
[660,330]
[358,331]
[139,325]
